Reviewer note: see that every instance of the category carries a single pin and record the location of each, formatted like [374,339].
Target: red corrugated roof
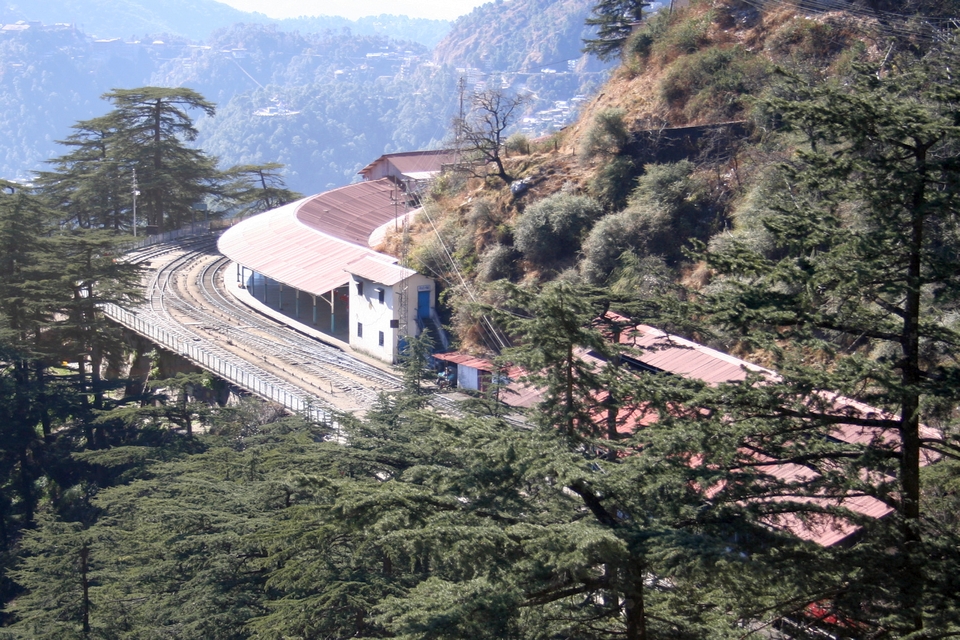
[379,268]
[353,212]
[306,244]
[466,360]
[414,161]
[686,358]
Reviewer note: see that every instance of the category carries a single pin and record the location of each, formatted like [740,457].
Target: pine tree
[856,296]
[90,186]
[152,128]
[614,20]
[253,189]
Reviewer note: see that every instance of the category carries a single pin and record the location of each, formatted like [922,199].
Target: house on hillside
[409,168]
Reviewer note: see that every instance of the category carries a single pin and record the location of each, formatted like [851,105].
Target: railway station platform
[326,313]
[252,295]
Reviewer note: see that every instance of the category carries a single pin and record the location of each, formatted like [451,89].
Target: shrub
[682,199]
[498,263]
[614,181]
[669,207]
[518,143]
[633,230]
[551,229]
[607,134]
[640,43]
[805,39]
[712,82]
[684,35]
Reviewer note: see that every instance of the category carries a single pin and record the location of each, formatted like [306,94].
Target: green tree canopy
[614,20]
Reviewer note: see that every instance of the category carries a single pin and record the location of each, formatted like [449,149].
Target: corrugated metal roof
[466,360]
[379,268]
[414,161]
[279,246]
[353,212]
[686,358]
[306,244]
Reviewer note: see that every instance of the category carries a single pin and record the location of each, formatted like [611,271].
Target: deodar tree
[153,127]
[857,295]
[615,20]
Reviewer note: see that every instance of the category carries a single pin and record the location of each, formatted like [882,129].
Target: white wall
[375,316]
[468,377]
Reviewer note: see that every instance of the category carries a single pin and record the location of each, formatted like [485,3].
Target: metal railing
[192,230]
[226,370]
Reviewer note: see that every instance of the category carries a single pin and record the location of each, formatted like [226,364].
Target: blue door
[423,305]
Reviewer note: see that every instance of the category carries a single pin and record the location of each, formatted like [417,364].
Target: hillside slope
[197,19]
[667,149]
[517,36]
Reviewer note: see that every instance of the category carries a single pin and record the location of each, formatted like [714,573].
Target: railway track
[185,298]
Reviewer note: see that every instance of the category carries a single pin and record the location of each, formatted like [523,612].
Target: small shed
[472,373]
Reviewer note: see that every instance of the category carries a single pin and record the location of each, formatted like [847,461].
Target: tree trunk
[85,584]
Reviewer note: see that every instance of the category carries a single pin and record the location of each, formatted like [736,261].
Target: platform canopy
[308,243]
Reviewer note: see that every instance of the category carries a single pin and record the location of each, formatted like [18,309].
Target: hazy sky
[353,9]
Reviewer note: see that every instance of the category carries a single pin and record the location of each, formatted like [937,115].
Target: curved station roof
[311,243]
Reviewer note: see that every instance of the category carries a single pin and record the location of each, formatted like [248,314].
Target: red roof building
[409,166]
[320,246]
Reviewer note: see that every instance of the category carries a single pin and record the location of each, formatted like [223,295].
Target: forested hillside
[779,185]
[196,20]
[324,103]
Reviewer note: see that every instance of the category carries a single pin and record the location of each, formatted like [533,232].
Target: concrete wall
[369,318]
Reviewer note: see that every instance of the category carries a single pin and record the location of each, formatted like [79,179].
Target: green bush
[498,263]
[518,143]
[551,229]
[669,207]
[682,36]
[641,42]
[805,39]
[633,230]
[614,181]
[607,135]
[713,82]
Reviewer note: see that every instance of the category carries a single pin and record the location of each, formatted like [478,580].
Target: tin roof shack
[386,300]
[411,166]
[473,374]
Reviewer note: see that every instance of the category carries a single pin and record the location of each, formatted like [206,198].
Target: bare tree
[481,133]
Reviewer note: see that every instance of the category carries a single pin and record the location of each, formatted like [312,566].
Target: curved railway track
[185,297]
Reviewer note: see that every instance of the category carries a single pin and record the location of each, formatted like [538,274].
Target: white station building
[313,259]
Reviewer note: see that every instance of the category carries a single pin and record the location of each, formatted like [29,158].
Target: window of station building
[359,288]
[359,329]
[380,295]
[381,338]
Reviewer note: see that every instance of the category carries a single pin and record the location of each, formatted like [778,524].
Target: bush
[683,36]
[712,82]
[551,229]
[684,200]
[668,208]
[805,39]
[498,263]
[614,182]
[518,143]
[640,43]
[607,134]
[633,230]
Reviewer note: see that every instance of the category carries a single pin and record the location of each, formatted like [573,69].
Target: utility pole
[461,86]
[136,192]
